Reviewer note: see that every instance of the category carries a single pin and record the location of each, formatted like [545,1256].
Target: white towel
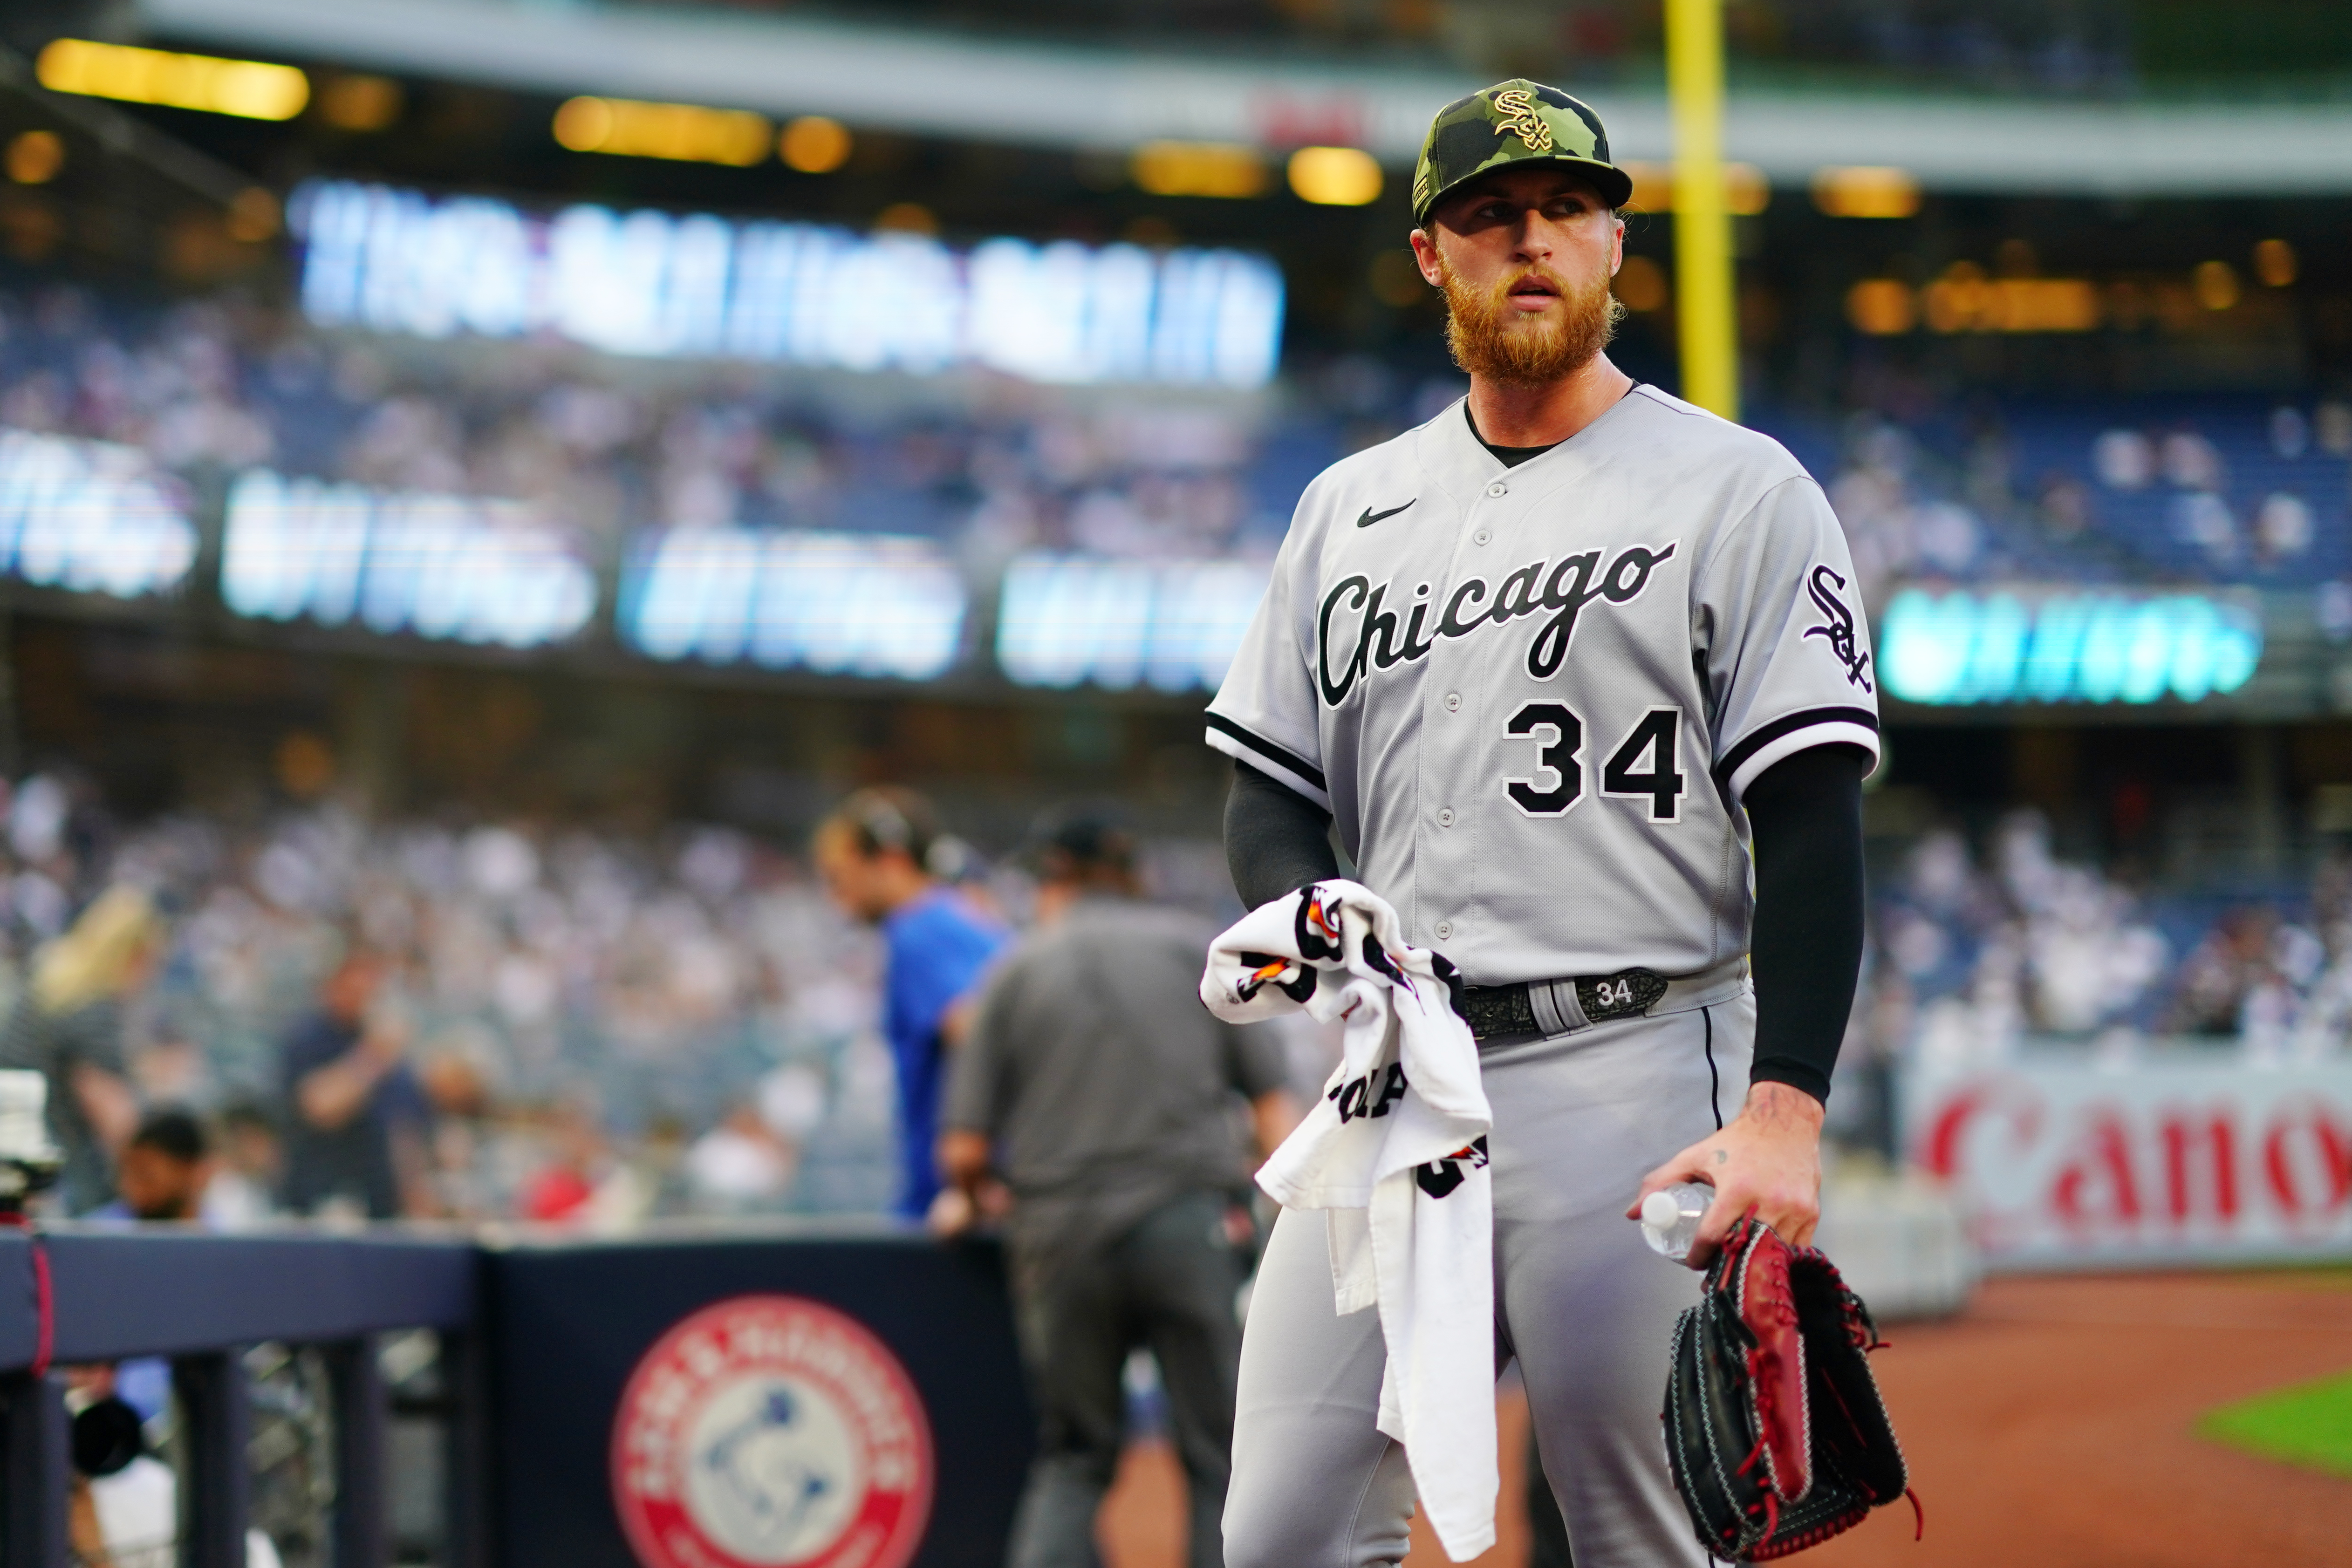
[1396,1151]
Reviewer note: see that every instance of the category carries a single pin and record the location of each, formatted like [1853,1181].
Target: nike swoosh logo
[1371,516]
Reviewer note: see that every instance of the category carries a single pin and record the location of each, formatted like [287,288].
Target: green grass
[2310,1425]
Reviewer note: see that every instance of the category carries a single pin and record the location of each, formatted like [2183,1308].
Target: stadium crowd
[2216,489]
[577,1025]
[605,448]
[566,1024]
[2197,491]
[555,1023]
[1972,953]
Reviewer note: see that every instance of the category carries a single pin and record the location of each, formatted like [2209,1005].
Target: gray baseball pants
[1586,1308]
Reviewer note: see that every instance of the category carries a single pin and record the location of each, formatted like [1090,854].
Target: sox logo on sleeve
[1531,696]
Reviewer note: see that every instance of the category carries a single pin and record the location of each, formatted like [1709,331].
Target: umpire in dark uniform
[1111,1107]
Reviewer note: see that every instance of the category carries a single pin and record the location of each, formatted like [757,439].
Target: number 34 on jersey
[1645,766]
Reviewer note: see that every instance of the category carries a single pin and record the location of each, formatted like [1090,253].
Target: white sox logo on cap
[771,1432]
[1520,119]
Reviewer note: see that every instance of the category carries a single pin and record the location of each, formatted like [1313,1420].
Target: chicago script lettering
[1451,623]
[1516,596]
[1355,616]
[1335,691]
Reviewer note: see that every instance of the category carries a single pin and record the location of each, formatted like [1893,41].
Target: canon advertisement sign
[2160,1162]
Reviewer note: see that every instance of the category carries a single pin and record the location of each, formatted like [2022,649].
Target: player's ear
[1424,255]
[1616,244]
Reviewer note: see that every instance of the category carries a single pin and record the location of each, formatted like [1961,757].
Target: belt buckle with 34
[1621,995]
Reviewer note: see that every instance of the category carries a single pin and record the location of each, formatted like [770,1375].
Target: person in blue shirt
[881,855]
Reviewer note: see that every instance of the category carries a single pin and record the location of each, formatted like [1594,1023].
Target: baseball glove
[1775,1430]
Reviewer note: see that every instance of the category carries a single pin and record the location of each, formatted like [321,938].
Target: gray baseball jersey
[1531,696]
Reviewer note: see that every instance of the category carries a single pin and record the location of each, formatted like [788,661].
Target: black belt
[1542,1006]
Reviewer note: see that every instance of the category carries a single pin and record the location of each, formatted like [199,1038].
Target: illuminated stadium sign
[858,604]
[654,284]
[1065,620]
[455,566]
[90,515]
[2006,646]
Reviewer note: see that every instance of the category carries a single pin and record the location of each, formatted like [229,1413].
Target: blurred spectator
[69,1027]
[164,1170]
[739,1165]
[456,1089]
[881,855]
[2216,977]
[1095,1084]
[250,1167]
[170,1069]
[558,1192]
[453,1084]
[358,1144]
[563,1188]
[2248,979]
[2066,507]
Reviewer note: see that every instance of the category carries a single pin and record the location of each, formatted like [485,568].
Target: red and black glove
[1775,1430]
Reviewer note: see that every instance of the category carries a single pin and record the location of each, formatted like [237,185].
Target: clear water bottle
[1670,1217]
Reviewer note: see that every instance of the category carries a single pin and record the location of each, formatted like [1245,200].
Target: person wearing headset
[885,861]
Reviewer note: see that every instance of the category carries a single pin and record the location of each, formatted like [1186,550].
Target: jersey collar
[1461,464]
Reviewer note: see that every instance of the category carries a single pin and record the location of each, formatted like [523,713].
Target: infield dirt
[2051,1426]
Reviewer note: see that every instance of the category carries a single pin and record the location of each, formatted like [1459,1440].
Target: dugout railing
[202,1301]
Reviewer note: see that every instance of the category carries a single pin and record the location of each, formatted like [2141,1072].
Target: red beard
[1493,341]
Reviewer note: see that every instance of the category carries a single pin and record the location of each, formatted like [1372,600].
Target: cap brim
[1615,185]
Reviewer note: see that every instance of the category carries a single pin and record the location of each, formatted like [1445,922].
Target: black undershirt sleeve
[1806,813]
[1276,840]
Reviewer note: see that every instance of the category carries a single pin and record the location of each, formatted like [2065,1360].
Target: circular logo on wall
[771,1432]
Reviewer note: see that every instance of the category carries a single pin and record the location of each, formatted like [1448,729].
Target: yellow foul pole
[1703,297]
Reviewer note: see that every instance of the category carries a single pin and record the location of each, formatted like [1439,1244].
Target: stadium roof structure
[945,84]
[127,190]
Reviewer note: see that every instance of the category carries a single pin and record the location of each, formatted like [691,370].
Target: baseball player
[1561,664]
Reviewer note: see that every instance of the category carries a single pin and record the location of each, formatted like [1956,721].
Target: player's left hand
[1766,1161]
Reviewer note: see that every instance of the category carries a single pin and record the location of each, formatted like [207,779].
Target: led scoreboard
[2096,645]
[463,568]
[91,517]
[654,283]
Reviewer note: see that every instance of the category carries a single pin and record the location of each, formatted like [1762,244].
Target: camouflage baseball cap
[1515,122]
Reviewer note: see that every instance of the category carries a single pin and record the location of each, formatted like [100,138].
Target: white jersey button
[1445,817]
[1498,488]
[1454,702]
[1444,929]
[1481,537]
